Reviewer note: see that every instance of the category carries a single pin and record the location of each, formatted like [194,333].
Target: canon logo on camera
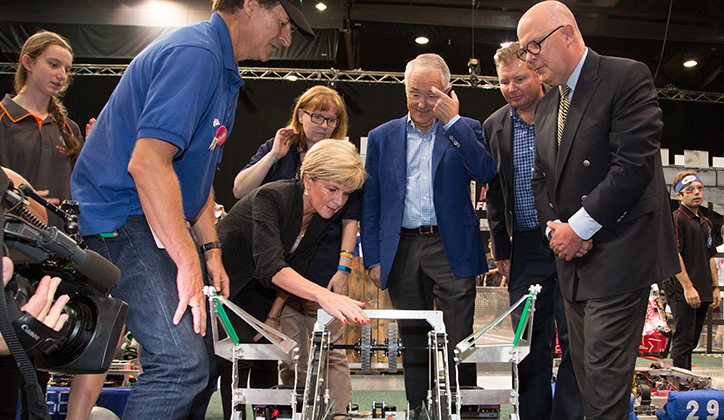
[30,332]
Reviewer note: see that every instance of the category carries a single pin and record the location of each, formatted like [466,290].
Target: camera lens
[79,329]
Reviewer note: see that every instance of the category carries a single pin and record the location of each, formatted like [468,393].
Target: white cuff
[583,224]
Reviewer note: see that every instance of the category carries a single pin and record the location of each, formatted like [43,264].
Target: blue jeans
[174,358]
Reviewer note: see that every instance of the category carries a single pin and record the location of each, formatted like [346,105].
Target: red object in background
[558,345]
[652,341]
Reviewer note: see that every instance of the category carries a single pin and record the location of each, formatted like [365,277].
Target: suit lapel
[438,150]
[398,150]
[585,88]
[545,127]
[505,145]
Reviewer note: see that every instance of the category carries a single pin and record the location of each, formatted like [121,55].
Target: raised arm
[251,177]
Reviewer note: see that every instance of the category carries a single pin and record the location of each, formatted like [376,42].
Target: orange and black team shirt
[35,149]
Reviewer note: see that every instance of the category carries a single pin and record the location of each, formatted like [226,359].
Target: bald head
[553,43]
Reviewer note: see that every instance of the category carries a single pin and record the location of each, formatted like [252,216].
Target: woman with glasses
[319,113]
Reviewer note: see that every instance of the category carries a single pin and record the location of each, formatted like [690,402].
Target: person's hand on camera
[40,305]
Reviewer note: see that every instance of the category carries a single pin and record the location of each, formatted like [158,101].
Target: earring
[306,192]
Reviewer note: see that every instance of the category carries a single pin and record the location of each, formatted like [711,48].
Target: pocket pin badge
[219,138]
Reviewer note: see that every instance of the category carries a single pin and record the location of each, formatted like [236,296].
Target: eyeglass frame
[429,98]
[523,51]
[690,189]
[328,121]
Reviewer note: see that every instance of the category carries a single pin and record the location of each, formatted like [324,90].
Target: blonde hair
[506,55]
[334,160]
[318,98]
[33,48]
[429,61]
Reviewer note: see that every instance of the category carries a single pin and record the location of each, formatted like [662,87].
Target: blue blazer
[459,156]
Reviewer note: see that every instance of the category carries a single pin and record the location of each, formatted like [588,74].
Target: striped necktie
[563,111]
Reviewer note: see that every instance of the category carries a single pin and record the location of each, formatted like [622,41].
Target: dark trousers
[688,323]
[421,279]
[605,335]
[532,263]
[11,379]
[13,385]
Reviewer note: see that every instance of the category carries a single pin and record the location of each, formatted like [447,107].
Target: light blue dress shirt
[419,205]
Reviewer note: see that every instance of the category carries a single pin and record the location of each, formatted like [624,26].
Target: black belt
[422,230]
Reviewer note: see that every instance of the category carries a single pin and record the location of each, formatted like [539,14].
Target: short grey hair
[430,61]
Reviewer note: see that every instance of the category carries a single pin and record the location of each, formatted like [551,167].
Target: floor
[388,389]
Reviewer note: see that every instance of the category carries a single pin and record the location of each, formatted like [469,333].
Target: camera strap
[37,408]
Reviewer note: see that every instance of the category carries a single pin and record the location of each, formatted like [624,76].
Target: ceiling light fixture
[291,77]
[422,40]
[321,6]
[690,63]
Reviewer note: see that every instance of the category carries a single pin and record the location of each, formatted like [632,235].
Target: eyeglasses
[320,119]
[690,189]
[417,97]
[533,47]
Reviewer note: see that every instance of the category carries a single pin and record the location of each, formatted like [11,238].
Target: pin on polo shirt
[220,136]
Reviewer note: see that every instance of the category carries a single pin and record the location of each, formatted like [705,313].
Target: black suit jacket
[260,230]
[498,134]
[609,163]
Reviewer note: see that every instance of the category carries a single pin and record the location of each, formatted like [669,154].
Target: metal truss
[78,69]
[690,95]
[331,76]
[355,76]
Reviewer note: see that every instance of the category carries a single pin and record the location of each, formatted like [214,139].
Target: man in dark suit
[602,197]
[420,234]
[521,252]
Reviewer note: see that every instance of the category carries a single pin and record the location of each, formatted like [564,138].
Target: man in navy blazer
[600,192]
[420,233]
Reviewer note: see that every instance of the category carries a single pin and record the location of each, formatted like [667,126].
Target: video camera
[88,340]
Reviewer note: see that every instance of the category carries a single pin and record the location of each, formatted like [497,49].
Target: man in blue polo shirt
[147,170]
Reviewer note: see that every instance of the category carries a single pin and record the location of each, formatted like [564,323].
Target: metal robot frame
[313,403]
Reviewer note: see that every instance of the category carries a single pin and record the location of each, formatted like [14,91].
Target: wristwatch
[209,245]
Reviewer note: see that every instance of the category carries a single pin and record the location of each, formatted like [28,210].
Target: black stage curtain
[125,42]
